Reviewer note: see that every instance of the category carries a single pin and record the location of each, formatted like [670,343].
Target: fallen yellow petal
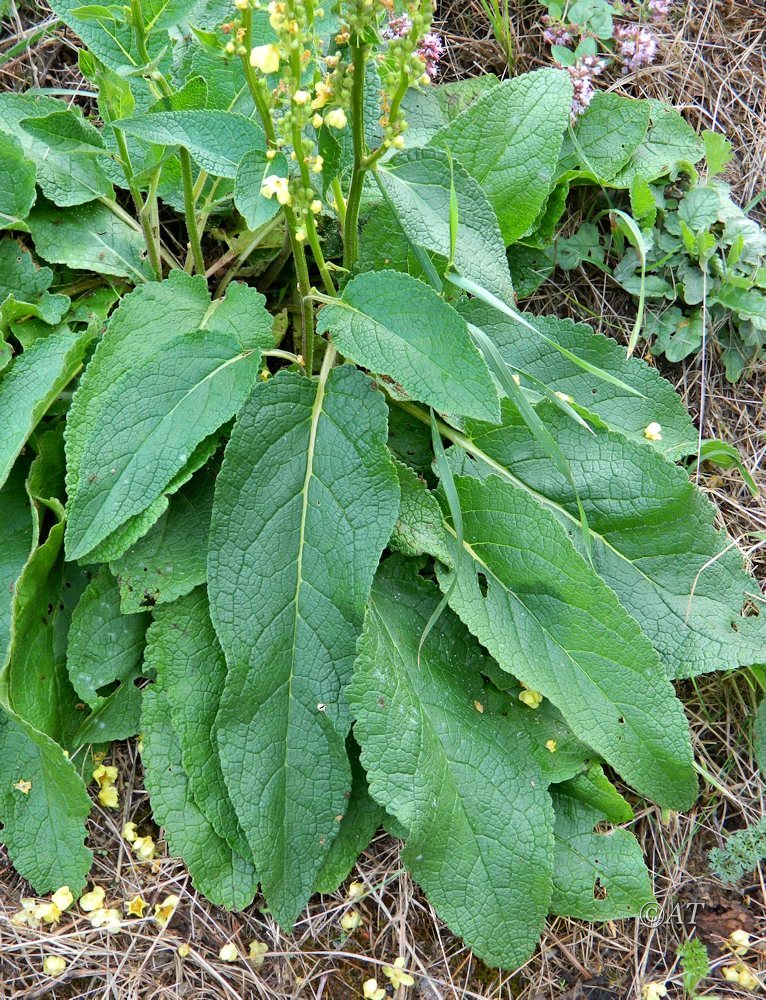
[229,952]
[256,952]
[106,918]
[350,921]
[164,911]
[63,898]
[129,832]
[93,900]
[108,797]
[54,965]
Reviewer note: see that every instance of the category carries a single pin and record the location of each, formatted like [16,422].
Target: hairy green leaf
[89,237]
[417,184]
[653,538]
[596,875]
[606,136]
[183,649]
[170,560]
[253,170]
[217,140]
[463,783]
[305,501]
[223,876]
[399,327]
[17,194]
[549,620]
[18,536]
[65,176]
[527,352]
[420,525]
[669,144]
[509,140]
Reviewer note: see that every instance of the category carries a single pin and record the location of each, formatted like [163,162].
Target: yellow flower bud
[241,4]
[54,965]
[336,118]
[398,142]
[270,154]
[265,58]
[300,97]
[183,950]
[93,900]
[316,206]
[350,921]
[316,166]
[317,120]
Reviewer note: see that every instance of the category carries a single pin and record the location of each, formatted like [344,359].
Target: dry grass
[714,67]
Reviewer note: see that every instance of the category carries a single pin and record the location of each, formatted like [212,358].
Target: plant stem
[152,247]
[137,17]
[190,211]
[351,228]
[304,290]
[253,85]
[340,201]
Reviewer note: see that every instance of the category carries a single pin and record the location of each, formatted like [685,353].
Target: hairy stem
[190,211]
[351,228]
[152,245]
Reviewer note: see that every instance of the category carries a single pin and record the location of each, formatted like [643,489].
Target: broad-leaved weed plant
[292,489]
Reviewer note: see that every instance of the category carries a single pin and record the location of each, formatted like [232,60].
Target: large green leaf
[427,110]
[149,410]
[43,829]
[254,168]
[17,539]
[528,352]
[606,136]
[652,533]
[17,194]
[547,618]
[30,385]
[24,292]
[305,501]
[65,176]
[669,144]
[183,649]
[596,875]
[104,651]
[217,140]
[463,783]
[419,185]
[89,237]
[217,872]
[509,140]
[170,560]
[397,326]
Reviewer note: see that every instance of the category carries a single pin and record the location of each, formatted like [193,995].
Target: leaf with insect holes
[65,176]
[397,326]
[418,185]
[509,140]
[652,533]
[596,875]
[216,140]
[549,620]
[170,560]
[183,650]
[226,879]
[305,501]
[463,783]
[104,652]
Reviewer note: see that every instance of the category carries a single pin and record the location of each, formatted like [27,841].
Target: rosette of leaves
[332,595]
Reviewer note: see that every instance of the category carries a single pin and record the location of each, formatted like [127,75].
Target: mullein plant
[377,550]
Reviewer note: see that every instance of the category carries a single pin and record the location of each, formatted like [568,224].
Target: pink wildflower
[582,75]
[431,50]
[659,9]
[556,32]
[636,46]
[398,27]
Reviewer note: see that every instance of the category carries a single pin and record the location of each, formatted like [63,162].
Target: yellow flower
[279,186]
[135,907]
[336,118]
[54,965]
[551,745]
[241,4]
[183,950]
[742,975]
[145,848]
[164,911]
[129,832]
[316,166]
[300,97]
[396,974]
[229,952]
[276,14]
[93,900]
[105,775]
[398,142]
[350,921]
[63,898]
[25,787]
[740,942]
[653,432]
[108,797]
[317,120]
[26,915]
[256,952]
[654,991]
[316,206]
[371,990]
[106,918]
[265,58]
[533,699]
[324,92]
[47,913]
